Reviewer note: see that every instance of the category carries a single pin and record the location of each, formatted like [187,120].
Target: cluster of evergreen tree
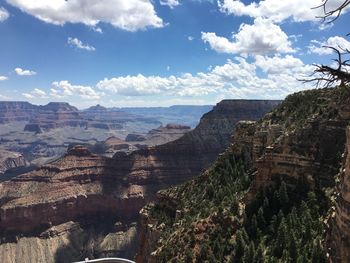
[282,224]
[212,221]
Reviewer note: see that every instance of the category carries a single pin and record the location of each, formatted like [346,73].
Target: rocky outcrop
[83,186]
[11,111]
[55,115]
[133,137]
[339,234]
[10,160]
[311,150]
[175,126]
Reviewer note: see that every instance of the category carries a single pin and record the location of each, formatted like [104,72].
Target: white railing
[106,260]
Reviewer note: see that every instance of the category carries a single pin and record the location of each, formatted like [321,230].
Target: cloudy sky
[161,52]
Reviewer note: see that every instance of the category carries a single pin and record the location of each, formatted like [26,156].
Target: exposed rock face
[16,111]
[311,149]
[9,160]
[82,185]
[55,115]
[177,126]
[33,127]
[132,137]
[339,235]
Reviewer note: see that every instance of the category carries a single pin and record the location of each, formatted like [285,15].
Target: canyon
[65,201]
[43,133]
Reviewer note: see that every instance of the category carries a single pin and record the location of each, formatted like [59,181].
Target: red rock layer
[82,185]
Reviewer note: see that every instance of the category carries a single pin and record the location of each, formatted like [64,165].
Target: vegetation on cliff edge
[210,220]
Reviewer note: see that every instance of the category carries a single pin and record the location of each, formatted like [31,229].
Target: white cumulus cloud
[24,72]
[75,42]
[63,89]
[279,10]
[2,78]
[4,14]
[236,79]
[130,15]
[170,3]
[36,93]
[262,37]
[320,48]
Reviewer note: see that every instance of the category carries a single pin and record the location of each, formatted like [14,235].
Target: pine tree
[281,239]
[261,219]
[259,254]
[283,194]
[254,226]
[293,248]
[249,255]
[240,246]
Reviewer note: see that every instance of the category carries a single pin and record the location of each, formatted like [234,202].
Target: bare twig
[327,76]
[334,13]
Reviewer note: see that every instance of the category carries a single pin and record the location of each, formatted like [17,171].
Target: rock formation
[133,137]
[339,234]
[55,115]
[82,186]
[9,160]
[16,111]
[299,143]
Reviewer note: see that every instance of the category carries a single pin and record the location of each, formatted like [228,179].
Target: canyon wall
[339,234]
[300,141]
[16,111]
[81,186]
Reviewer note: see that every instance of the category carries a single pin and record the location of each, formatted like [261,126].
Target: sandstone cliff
[82,187]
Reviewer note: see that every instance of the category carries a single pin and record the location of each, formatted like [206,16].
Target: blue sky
[160,52]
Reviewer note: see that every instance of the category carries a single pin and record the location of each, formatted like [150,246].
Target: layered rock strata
[55,115]
[82,186]
[11,111]
[10,160]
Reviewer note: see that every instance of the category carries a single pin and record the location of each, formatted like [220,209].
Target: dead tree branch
[327,76]
[333,13]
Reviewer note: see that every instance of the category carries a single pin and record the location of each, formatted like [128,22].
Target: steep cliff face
[9,160]
[304,137]
[16,111]
[291,159]
[55,115]
[339,234]
[82,186]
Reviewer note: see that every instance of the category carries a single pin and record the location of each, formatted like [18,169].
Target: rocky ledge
[9,160]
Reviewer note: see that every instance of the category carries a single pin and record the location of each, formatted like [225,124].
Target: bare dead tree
[328,76]
[333,13]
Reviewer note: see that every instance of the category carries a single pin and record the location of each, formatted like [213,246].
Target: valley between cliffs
[85,205]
